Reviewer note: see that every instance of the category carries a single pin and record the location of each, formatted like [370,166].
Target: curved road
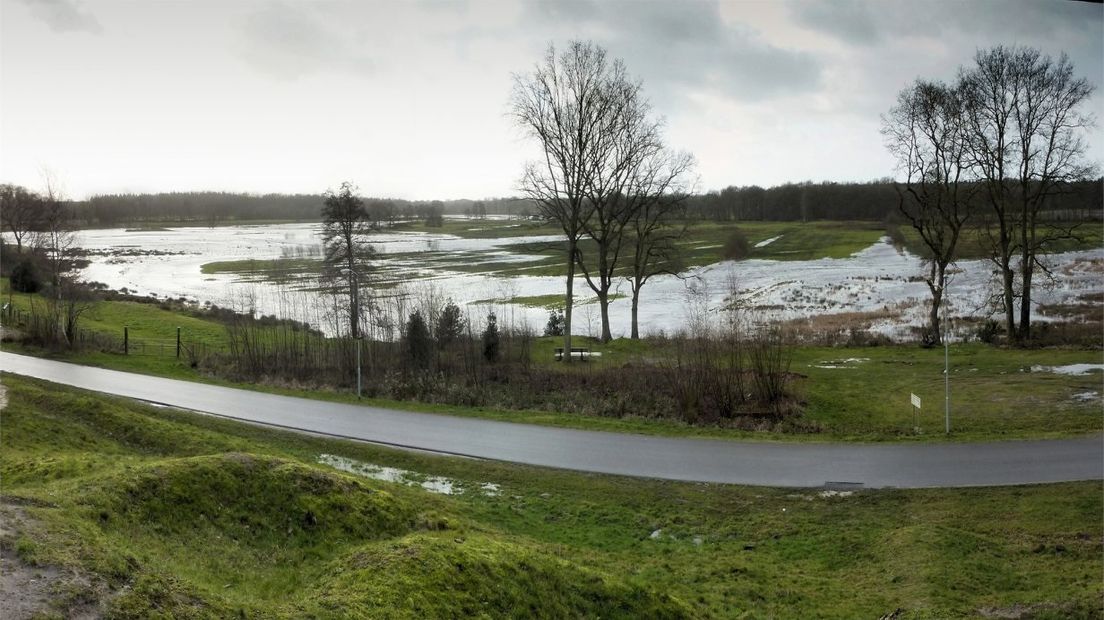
[703,460]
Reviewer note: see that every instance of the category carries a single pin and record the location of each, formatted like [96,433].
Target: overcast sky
[409,99]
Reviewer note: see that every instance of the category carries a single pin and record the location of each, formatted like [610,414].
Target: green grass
[183,515]
[252,267]
[972,245]
[994,393]
[705,241]
[479,229]
[703,244]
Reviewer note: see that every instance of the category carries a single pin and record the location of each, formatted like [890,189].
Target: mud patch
[28,591]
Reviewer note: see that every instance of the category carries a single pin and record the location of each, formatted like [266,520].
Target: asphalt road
[702,460]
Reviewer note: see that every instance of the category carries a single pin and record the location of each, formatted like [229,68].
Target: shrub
[736,246]
[896,237]
[419,346]
[555,325]
[988,331]
[490,339]
[24,277]
[450,325]
[770,363]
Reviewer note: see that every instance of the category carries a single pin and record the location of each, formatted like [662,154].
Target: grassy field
[480,229]
[150,511]
[972,244]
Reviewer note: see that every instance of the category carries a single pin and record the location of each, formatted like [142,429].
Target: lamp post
[355,323]
[946,363]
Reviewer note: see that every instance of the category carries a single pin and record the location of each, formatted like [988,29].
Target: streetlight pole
[946,362]
[355,323]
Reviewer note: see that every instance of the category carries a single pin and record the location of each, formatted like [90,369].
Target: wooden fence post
[126,340]
[178,342]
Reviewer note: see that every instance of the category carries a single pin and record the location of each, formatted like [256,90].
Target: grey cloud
[292,40]
[865,22]
[676,46]
[850,20]
[64,16]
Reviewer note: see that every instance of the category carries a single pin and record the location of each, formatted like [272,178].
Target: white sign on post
[915,401]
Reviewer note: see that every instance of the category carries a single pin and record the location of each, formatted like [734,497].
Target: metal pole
[946,364]
[126,340]
[358,367]
[178,342]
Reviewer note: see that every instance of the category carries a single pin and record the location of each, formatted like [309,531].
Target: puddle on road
[434,484]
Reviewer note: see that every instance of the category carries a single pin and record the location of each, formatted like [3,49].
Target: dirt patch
[28,591]
[1018,611]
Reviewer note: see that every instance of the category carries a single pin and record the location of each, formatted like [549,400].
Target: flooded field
[881,282]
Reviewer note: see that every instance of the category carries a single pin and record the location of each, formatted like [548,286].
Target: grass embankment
[850,393]
[162,512]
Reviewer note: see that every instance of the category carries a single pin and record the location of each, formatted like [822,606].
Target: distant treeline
[875,200]
[211,208]
[854,201]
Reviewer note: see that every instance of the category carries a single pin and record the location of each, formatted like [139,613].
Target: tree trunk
[1028,269]
[937,301]
[1009,300]
[569,299]
[605,279]
[603,303]
[635,306]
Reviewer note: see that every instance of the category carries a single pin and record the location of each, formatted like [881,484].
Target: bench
[580,353]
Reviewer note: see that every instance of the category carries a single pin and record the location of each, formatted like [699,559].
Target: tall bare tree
[1026,126]
[66,299]
[566,103]
[632,141]
[660,188]
[20,211]
[926,132]
[601,145]
[345,229]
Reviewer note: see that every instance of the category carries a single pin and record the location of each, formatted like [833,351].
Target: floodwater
[879,279]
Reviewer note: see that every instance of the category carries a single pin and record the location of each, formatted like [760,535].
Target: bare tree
[601,143]
[630,141]
[926,132]
[566,104]
[20,209]
[345,228]
[1026,126]
[67,299]
[660,188]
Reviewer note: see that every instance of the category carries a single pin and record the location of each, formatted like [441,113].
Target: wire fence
[125,341]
